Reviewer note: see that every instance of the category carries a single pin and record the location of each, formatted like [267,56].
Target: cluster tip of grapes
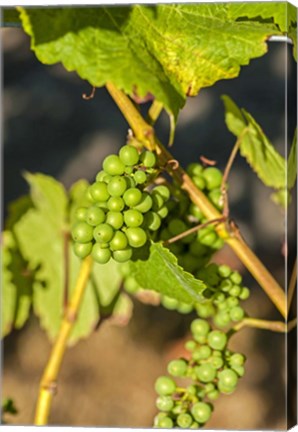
[212,369]
[121,213]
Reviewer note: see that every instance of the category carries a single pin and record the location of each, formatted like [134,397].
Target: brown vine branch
[276,326]
[145,133]
[292,286]
[48,384]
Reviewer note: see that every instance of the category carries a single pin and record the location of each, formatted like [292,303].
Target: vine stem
[145,133]
[276,326]
[48,383]
[292,286]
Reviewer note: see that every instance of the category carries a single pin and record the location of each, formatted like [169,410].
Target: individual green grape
[165,386]
[130,183]
[205,373]
[176,226]
[184,308]
[119,241]
[129,155]
[237,359]
[130,284]
[163,212]
[100,255]
[200,327]
[129,170]
[240,370]
[152,221]
[163,191]
[244,293]
[184,420]
[116,204]
[216,362]
[165,423]
[140,177]
[207,236]
[225,285]
[237,313]
[115,219]
[222,319]
[215,196]
[132,197]
[201,412]
[204,352]
[213,395]
[199,182]
[148,159]
[232,302]
[82,232]
[205,310]
[194,169]
[164,403]
[103,233]
[235,291]
[81,214]
[177,368]
[136,237]
[133,218]
[236,278]
[99,192]
[194,425]
[82,249]
[169,302]
[217,339]
[95,216]
[157,201]
[117,186]
[190,345]
[145,204]
[122,255]
[100,176]
[195,211]
[224,271]
[113,165]
[213,177]
[228,378]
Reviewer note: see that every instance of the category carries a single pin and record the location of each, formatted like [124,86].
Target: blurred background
[108,379]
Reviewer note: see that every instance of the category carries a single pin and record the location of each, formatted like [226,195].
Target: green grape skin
[184,308]
[178,409]
[164,386]
[158,417]
[228,378]
[222,319]
[209,387]
[216,362]
[128,170]
[205,310]
[237,359]
[163,191]
[115,219]
[237,313]
[205,373]
[201,412]
[232,302]
[81,214]
[130,284]
[213,177]
[113,165]
[132,197]
[133,218]
[176,226]
[148,159]
[195,211]
[219,298]
[99,192]
[116,204]
[194,425]
[100,255]
[119,241]
[122,255]
[217,339]
[103,233]
[130,183]
[129,155]
[82,249]
[117,186]
[140,177]
[244,293]
[177,368]
[223,389]
[194,169]
[82,232]
[136,237]
[236,278]
[169,302]
[235,291]
[213,395]
[100,176]
[164,403]
[145,204]
[224,271]
[218,244]
[152,221]
[200,327]
[204,352]
[199,182]
[207,237]
[192,389]
[215,196]
[240,370]
[190,345]
[157,201]
[225,285]
[166,423]
[95,216]
[184,420]
[163,212]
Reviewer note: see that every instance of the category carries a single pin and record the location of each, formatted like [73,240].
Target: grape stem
[48,383]
[145,133]
[193,230]
[292,286]
[154,111]
[276,326]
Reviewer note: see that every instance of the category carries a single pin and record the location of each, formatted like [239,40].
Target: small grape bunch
[122,211]
[225,292]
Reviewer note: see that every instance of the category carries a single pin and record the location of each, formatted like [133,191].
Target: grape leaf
[16,293]
[170,51]
[43,236]
[269,165]
[161,273]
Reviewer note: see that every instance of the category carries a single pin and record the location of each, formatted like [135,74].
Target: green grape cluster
[122,211]
[224,293]
[212,368]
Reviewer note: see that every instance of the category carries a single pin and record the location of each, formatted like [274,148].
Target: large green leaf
[269,165]
[16,293]
[44,240]
[161,273]
[169,50]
